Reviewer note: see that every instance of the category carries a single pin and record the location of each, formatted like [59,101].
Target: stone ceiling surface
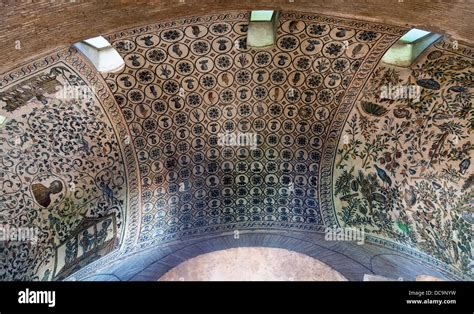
[65,22]
[329,150]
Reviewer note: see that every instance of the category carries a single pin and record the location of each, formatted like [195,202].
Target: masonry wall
[47,25]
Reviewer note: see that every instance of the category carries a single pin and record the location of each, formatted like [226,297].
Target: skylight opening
[261,31]
[413,35]
[409,47]
[98,42]
[101,54]
[261,16]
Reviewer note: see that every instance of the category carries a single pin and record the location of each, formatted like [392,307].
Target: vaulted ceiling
[136,171]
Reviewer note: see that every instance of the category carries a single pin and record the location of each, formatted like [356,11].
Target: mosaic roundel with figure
[186,88]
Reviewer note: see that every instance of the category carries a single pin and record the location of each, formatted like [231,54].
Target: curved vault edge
[353,261]
[130,235]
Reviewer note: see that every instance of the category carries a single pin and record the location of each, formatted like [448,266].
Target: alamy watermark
[397,92]
[237,139]
[18,234]
[74,92]
[345,234]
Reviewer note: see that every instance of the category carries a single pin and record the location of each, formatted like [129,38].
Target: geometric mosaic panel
[186,86]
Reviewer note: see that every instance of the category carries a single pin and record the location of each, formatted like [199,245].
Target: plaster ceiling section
[252,264]
[64,23]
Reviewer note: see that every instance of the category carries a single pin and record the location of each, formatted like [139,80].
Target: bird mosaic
[383,176]
[43,194]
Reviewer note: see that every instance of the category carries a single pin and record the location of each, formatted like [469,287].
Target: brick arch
[349,259]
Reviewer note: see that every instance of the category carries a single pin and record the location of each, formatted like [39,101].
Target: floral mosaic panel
[60,166]
[403,166]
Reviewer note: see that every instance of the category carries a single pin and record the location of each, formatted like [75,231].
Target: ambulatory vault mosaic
[321,147]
